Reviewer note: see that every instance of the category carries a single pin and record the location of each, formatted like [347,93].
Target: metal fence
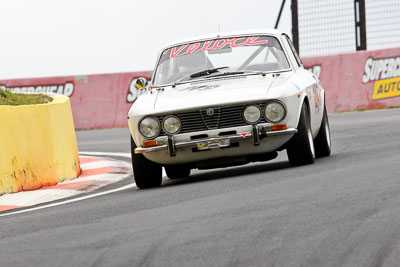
[383,23]
[328,27]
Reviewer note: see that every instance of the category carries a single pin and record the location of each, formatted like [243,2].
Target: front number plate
[213,144]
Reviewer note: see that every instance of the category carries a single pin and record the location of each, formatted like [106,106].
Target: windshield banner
[217,44]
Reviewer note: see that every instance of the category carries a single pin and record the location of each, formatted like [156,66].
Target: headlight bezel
[157,132]
[244,117]
[163,124]
[281,104]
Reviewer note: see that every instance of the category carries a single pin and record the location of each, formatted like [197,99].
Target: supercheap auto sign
[66,88]
[385,73]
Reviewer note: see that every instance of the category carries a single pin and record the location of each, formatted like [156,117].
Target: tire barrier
[38,145]
[360,80]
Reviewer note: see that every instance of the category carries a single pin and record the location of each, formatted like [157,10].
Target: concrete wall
[38,145]
[98,101]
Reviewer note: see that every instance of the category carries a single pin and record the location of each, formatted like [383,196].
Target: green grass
[14,99]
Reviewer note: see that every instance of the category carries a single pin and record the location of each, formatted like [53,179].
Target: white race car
[226,100]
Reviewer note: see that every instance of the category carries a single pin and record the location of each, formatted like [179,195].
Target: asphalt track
[341,211]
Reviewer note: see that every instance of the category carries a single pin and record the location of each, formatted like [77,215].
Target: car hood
[213,93]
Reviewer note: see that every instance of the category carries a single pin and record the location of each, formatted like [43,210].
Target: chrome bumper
[256,134]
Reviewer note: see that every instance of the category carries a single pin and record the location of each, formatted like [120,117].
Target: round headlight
[275,111]
[252,114]
[171,124]
[149,127]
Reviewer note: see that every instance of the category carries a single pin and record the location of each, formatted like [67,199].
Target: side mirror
[141,83]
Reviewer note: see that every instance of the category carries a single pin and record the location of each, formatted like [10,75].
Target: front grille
[211,117]
[199,120]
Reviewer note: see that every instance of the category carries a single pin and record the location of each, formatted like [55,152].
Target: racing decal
[385,73]
[314,91]
[217,44]
[66,89]
[133,92]
[316,70]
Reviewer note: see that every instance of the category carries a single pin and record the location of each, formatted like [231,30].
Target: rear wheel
[147,173]
[300,149]
[322,142]
[177,171]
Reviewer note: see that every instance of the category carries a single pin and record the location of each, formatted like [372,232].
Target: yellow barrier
[37,145]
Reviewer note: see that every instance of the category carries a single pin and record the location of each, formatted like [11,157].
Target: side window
[294,51]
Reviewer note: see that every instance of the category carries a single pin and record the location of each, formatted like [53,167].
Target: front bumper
[255,134]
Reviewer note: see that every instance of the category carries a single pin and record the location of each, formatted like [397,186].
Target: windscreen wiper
[206,72]
[199,74]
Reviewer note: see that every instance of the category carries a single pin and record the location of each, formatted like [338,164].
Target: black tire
[147,174]
[322,142]
[300,149]
[177,171]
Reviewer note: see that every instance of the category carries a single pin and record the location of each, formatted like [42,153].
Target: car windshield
[218,57]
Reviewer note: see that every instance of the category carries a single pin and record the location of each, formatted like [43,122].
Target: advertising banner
[98,101]
[360,80]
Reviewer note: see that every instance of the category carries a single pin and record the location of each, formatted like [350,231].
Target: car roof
[226,34]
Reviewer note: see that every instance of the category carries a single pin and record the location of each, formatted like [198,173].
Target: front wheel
[322,142]
[147,173]
[177,171]
[300,149]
